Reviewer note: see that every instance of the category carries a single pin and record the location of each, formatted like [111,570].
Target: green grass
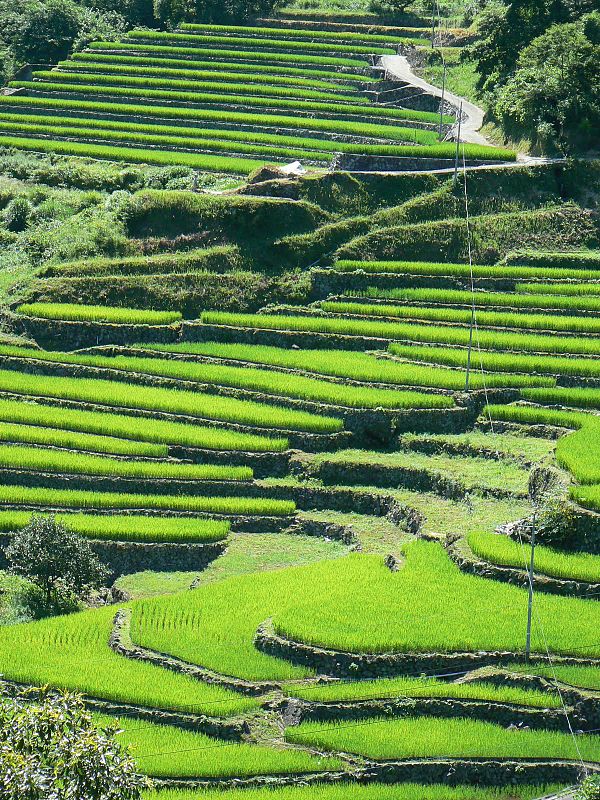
[430,737]
[404,687]
[495,340]
[544,322]
[255,42]
[500,362]
[51,437]
[475,473]
[582,677]
[77,657]
[507,552]
[81,313]
[545,259]
[171,401]
[186,63]
[518,272]
[250,100]
[41,460]
[341,364]
[76,498]
[167,751]
[129,528]
[526,449]
[119,432]
[159,263]
[237,166]
[220,87]
[356,603]
[340,791]
[267,381]
[120,66]
[515,300]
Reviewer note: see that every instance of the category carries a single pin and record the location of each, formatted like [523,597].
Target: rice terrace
[299,400]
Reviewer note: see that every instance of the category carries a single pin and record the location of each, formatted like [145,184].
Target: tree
[171,12]
[56,559]
[39,32]
[554,95]
[51,750]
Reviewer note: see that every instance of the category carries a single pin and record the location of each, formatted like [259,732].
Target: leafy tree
[39,32]
[56,559]
[172,12]
[554,95]
[51,750]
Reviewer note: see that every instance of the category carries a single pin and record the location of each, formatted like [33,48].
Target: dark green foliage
[57,560]
[553,97]
[39,32]
[51,749]
[176,11]
[17,214]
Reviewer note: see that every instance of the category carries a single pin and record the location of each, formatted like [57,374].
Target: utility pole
[442,103]
[432,26]
[530,601]
[457,145]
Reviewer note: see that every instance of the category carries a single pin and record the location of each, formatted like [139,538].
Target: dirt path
[473,119]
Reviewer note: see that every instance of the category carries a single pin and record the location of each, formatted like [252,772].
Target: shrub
[17,215]
[55,559]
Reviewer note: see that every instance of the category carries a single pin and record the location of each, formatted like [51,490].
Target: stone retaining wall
[123,558]
[459,551]
[57,334]
[382,665]
[349,162]
[504,714]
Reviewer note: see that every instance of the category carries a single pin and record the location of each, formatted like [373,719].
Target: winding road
[399,67]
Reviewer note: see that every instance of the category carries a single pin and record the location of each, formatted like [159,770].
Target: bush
[17,214]
[58,561]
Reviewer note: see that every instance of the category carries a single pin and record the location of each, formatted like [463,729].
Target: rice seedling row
[274,383]
[250,100]
[16,457]
[84,313]
[544,322]
[298,33]
[512,271]
[507,552]
[372,791]
[545,259]
[520,299]
[172,401]
[255,42]
[209,138]
[114,66]
[429,737]
[172,113]
[407,687]
[88,500]
[501,362]
[221,54]
[198,86]
[459,336]
[128,528]
[69,440]
[344,365]
[164,750]
[237,166]
[111,60]
[120,432]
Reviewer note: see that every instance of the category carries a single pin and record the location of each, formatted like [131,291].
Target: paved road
[473,119]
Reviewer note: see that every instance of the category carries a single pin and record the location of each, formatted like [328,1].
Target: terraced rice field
[301,477]
[164,98]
